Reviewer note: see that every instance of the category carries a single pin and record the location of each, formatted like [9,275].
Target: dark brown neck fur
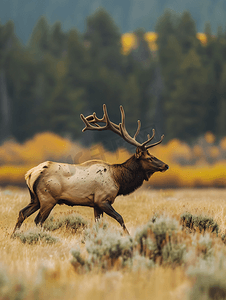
[129,175]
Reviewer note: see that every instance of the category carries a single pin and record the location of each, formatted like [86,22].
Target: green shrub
[209,287]
[3,277]
[34,236]
[104,248]
[141,262]
[202,223]
[72,222]
[11,288]
[204,246]
[173,253]
[78,262]
[109,246]
[159,241]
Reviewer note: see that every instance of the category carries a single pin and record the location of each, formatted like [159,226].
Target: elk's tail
[33,174]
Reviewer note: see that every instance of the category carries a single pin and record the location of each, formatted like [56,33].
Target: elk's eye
[149,158]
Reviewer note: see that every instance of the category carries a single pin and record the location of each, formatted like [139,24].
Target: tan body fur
[84,184]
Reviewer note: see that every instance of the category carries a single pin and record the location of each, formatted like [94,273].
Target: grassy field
[44,269]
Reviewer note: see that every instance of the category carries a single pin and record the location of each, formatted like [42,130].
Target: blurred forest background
[179,89]
[128,14]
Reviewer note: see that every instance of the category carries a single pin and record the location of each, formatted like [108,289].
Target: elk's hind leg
[25,213]
[98,212]
[47,203]
[27,210]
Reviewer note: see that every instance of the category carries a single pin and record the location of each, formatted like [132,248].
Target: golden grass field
[45,271]
[42,271]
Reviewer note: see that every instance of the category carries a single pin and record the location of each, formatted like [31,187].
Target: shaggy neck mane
[129,175]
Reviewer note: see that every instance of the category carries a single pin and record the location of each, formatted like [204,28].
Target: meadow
[177,225]
[76,262]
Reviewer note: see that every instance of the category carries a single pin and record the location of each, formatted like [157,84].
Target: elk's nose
[166,167]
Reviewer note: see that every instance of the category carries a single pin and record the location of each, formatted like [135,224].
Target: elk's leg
[98,212]
[109,210]
[44,213]
[25,213]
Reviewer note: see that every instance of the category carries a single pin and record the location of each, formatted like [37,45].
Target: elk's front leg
[98,212]
[109,210]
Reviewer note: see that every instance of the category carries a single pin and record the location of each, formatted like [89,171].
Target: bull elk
[93,183]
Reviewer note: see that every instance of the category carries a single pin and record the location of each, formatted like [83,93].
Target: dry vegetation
[166,256]
[44,264]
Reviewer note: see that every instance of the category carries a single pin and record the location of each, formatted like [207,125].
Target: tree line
[46,84]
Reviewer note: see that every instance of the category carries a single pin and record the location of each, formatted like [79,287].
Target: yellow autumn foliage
[197,166]
[209,137]
[129,41]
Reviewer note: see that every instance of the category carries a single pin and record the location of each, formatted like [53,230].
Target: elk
[93,183]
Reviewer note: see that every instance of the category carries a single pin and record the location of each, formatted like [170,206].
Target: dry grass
[45,270]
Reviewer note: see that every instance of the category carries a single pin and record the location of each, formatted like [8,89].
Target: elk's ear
[139,152]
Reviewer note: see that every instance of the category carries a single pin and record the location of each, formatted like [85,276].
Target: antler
[92,121]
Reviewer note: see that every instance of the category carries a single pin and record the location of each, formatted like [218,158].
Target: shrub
[78,262]
[34,236]
[202,223]
[110,247]
[72,222]
[204,246]
[11,288]
[105,248]
[209,287]
[3,277]
[159,241]
[209,278]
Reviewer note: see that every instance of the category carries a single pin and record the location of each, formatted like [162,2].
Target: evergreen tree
[221,117]
[8,42]
[105,85]
[170,52]
[131,101]
[143,73]
[165,28]
[104,40]
[186,32]
[213,57]
[21,76]
[69,97]
[57,43]
[186,107]
[65,107]
[77,61]
[39,41]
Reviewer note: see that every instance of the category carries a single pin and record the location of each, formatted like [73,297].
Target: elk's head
[149,163]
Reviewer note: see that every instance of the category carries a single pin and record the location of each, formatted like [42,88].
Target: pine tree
[77,61]
[57,43]
[104,40]
[221,117]
[21,77]
[165,28]
[65,108]
[186,107]
[39,42]
[186,32]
